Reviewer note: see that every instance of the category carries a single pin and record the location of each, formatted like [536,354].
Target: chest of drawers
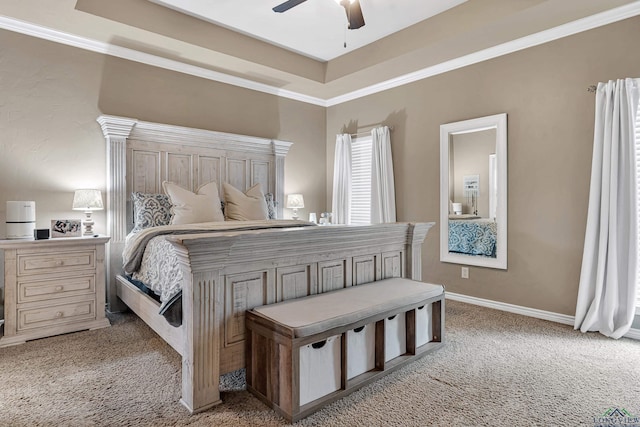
[53,287]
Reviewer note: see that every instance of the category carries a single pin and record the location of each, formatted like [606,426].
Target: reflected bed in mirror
[473,192]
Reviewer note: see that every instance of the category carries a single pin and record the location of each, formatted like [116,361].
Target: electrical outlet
[465,272]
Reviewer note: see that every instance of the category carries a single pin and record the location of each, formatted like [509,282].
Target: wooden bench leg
[437,320]
[411,331]
[380,345]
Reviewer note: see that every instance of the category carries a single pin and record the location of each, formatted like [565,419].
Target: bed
[473,236]
[230,270]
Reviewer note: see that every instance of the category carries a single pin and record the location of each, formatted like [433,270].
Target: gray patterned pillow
[271,205]
[150,210]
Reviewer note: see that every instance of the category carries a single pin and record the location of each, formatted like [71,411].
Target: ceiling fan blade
[354,14]
[287,5]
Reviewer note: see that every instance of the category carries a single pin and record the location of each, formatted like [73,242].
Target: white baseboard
[526,311]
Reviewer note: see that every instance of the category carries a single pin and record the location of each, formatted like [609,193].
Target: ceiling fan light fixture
[351,7]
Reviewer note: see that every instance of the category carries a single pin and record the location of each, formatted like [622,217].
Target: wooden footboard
[229,273]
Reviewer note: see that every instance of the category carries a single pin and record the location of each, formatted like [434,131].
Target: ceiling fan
[351,7]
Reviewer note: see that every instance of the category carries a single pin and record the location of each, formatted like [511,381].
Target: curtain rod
[369,132]
[592,88]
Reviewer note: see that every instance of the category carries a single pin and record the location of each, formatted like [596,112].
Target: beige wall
[51,144]
[50,96]
[469,154]
[543,90]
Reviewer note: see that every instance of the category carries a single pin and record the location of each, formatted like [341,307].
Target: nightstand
[53,287]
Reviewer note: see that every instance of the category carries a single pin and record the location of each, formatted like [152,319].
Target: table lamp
[87,201]
[295,202]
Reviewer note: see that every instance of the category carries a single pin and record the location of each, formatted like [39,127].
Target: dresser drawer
[45,289]
[56,262]
[57,314]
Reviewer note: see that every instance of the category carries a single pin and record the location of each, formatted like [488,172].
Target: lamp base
[295,214]
[88,224]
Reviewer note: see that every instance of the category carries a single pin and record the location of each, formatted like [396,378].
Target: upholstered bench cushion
[318,313]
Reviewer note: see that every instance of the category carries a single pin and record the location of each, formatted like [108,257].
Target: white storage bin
[395,336]
[361,350]
[424,328]
[320,369]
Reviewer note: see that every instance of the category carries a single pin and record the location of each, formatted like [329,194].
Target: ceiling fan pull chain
[345,37]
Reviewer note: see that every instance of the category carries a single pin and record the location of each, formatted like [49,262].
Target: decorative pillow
[247,206]
[150,210]
[271,205]
[191,208]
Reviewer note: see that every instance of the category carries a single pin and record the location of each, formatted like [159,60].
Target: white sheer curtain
[383,196]
[609,276]
[341,206]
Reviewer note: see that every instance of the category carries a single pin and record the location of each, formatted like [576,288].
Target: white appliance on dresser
[21,219]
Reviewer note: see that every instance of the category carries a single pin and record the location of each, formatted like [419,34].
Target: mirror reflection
[472,218]
[473,192]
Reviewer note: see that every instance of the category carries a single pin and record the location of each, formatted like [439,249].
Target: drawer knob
[59,262]
[59,314]
[59,288]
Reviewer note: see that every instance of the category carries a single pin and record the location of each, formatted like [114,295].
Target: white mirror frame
[499,123]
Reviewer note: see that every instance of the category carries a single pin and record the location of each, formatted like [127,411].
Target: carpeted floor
[496,369]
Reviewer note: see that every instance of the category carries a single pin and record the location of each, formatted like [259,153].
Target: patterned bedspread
[159,270]
[473,237]
[149,258]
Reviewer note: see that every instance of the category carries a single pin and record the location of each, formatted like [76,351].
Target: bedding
[271,206]
[192,208]
[150,210]
[154,209]
[250,205]
[473,237]
[150,259]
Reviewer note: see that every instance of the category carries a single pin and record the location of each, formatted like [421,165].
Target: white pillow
[247,206]
[191,208]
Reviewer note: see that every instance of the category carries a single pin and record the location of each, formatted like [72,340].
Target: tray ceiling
[284,54]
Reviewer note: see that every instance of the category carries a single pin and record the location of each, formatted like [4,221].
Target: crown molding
[61,37]
[571,28]
[628,11]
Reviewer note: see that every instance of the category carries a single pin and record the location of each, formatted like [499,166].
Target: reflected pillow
[192,208]
[247,206]
[150,210]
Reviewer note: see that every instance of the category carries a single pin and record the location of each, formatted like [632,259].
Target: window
[361,152]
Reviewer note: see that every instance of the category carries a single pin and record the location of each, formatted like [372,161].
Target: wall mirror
[473,192]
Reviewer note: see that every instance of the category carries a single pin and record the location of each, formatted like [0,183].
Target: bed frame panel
[140,155]
[229,273]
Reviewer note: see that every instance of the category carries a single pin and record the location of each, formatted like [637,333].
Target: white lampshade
[295,201]
[87,200]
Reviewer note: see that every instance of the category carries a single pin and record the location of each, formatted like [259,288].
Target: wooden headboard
[141,155]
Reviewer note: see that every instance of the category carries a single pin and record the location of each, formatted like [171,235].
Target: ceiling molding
[584,24]
[61,37]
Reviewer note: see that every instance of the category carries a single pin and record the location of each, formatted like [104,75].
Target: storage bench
[305,353]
